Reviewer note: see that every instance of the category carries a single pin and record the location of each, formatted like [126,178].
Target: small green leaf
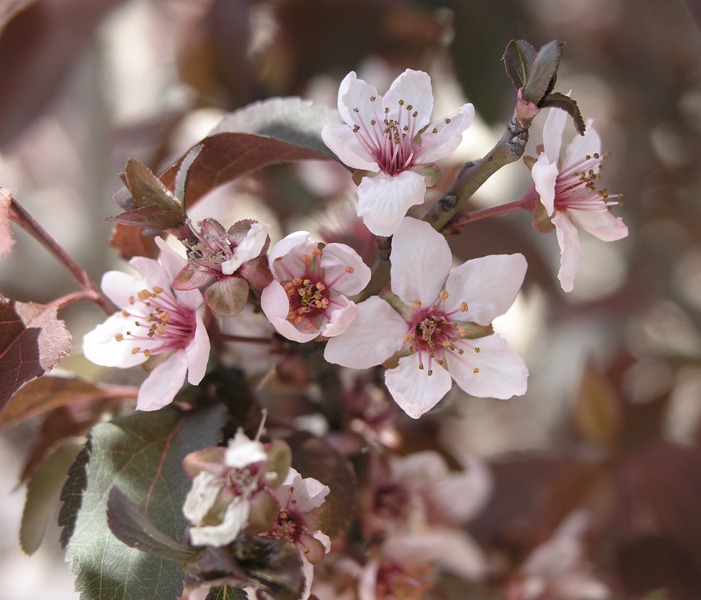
[43,494]
[142,454]
[518,58]
[543,72]
[558,100]
[132,526]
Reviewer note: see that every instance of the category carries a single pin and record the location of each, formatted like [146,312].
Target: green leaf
[518,58]
[43,494]
[558,100]
[226,593]
[142,454]
[543,72]
[136,529]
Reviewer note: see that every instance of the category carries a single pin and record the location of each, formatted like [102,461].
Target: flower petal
[442,137]
[202,496]
[413,389]
[343,266]
[552,133]
[354,93]
[163,383]
[601,224]
[488,285]
[120,286]
[248,249]
[544,175]
[197,352]
[170,260]
[582,146]
[341,317]
[347,146]
[421,260]
[235,519]
[296,243]
[101,346]
[411,88]
[495,371]
[276,306]
[570,250]
[384,200]
[375,334]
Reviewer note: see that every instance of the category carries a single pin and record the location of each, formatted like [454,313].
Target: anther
[416,303]
[463,307]
[475,370]
[350,270]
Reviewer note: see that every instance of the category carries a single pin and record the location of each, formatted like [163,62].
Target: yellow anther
[144,295]
[350,270]
[463,307]
[475,370]
[135,350]
[416,303]
[306,259]
[477,349]
[443,295]
[119,337]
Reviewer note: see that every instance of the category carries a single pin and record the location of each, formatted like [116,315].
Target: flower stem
[90,290]
[484,213]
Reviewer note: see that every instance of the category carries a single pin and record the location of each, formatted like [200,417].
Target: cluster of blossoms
[430,326]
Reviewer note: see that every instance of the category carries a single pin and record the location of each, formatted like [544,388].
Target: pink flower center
[409,582]
[575,187]
[213,247]
[161,323]
[432,334]
[310,295]
[391,141]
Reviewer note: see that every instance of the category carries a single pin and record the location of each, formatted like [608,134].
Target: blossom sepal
[228,296]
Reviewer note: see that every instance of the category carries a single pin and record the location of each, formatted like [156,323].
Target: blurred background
[611,420]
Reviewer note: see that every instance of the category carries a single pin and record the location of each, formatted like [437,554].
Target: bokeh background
[611,419]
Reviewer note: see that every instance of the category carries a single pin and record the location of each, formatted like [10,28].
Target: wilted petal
[488,285]
[384,200]
[420,262]
[375,334]
[413,389]
[201,497]
[235,519]
[243,451]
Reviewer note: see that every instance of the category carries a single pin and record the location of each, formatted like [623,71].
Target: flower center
[433,334]
[213,247]
[287,526]
[409,582]
[389,140]
[575,187]
[160,323]
[310,295]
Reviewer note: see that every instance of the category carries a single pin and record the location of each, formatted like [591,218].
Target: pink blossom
[390,137]
[309,295]
[218,504]
[567,191]
[154,320]
[433,320]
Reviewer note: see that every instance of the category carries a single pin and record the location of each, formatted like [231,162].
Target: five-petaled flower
[567,190]
[430,321]
[154,320]
[390,139]
[309,295]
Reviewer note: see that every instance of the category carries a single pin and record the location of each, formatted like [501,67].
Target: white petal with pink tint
[413,389]
[163,383]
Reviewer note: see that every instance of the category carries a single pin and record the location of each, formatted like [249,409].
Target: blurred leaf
[50,392]
[142,454]
[597,410]
[518,58]
[132,526]
[40,46]
[43,493]
[32,341]
[543,72]
[7,241]
[130,241]
[313,457]
[557,100]
[74,420]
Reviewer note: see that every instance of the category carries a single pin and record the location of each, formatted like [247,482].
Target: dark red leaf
[32,341]
[130,241]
